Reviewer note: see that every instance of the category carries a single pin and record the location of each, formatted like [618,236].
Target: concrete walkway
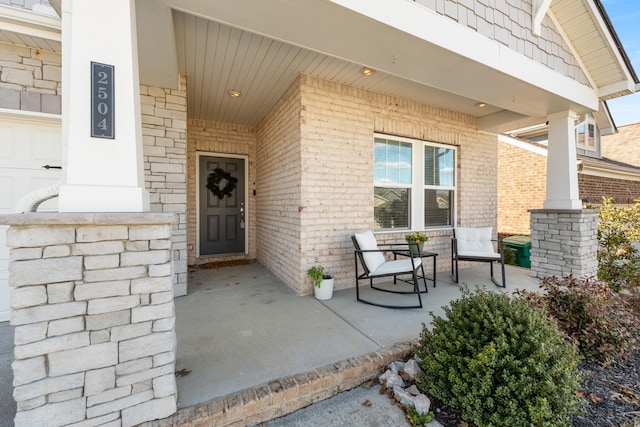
[241,327]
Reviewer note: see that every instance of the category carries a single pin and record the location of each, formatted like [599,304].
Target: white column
[562,171]
[102,174]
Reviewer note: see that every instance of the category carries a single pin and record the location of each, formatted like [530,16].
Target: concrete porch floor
[240,327]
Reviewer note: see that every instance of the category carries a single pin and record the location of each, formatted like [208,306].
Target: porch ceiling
[259,48]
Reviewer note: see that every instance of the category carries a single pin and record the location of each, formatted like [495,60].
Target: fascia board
[436,29]
[22,21]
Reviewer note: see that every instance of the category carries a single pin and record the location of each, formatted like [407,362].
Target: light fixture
[367,71]
[234,93]
[481,104]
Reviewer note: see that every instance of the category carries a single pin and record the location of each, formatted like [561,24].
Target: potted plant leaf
[322,282]
[416,242]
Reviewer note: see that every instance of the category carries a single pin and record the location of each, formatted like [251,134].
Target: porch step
[281,397]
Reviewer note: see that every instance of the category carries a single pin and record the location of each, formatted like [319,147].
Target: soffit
[25,28]
[218,58]
[221,46]
[587,30]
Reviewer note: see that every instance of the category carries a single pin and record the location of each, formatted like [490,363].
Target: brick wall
[322,188]
[164,133]
[92,305]
[311,159]
[215,138]
[594,188]
[510,23]
[278,189]
[522,178]
[30,79]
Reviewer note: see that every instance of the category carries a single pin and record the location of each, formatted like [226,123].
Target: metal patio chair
[372,259]
[476,244]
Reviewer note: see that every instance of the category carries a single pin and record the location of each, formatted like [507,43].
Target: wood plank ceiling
[218,58]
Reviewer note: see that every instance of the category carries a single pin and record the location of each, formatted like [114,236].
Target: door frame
[246,199]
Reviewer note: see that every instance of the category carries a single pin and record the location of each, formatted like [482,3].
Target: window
[414,184]
[587,134]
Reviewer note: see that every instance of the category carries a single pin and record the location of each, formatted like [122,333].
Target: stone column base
[92,303]
[564,242]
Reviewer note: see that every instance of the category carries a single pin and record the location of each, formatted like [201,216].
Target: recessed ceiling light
[367,71]
[481,104]
[234,93]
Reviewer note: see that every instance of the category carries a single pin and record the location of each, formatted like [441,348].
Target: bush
[510,255]
[601,321]
[501,362]
[618,258]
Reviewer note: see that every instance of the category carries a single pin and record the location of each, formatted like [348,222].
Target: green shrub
[601,321]
[501,362]
[618,259]
[510,255]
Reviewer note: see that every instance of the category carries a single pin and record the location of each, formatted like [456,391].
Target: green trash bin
[522,246]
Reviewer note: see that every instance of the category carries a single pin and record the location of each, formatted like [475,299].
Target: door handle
[52,167]
[241,214]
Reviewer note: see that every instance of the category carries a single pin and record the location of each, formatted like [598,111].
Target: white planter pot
[325,291]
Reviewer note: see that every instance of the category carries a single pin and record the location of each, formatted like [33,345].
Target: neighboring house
[608,166]
[316,118]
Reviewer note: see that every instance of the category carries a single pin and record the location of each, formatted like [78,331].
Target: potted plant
[322,282]
[416,242]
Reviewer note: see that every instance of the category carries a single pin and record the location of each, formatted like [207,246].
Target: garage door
[26,145]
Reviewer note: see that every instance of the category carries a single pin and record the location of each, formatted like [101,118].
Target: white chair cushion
[367,241]
[398,266]
[475,242]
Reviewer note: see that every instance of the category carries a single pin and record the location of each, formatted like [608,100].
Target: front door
[222,205]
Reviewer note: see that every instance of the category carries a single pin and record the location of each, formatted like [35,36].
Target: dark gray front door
[222,215]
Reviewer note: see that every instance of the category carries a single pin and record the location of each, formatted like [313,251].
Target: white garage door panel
[29,144]
[25,146]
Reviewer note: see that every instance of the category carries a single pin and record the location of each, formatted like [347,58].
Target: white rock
[422,404]
[392,379]
[396,366]
[412,369]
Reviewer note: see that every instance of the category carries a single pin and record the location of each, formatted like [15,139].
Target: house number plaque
[102,101]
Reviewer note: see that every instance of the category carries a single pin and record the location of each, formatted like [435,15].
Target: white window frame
[417,187]
[588,120]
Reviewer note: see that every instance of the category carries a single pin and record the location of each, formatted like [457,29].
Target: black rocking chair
[375,265]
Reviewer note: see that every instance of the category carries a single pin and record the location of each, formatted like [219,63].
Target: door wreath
[219,178]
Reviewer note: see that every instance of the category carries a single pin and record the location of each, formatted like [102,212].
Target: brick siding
[594,188]
[522,186]
[335,199]
[313,157]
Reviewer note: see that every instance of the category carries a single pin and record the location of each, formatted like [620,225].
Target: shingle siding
[510,22]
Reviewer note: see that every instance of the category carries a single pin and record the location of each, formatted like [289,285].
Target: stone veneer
[164,136]
[92,305]
[30,79]
[564,242]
